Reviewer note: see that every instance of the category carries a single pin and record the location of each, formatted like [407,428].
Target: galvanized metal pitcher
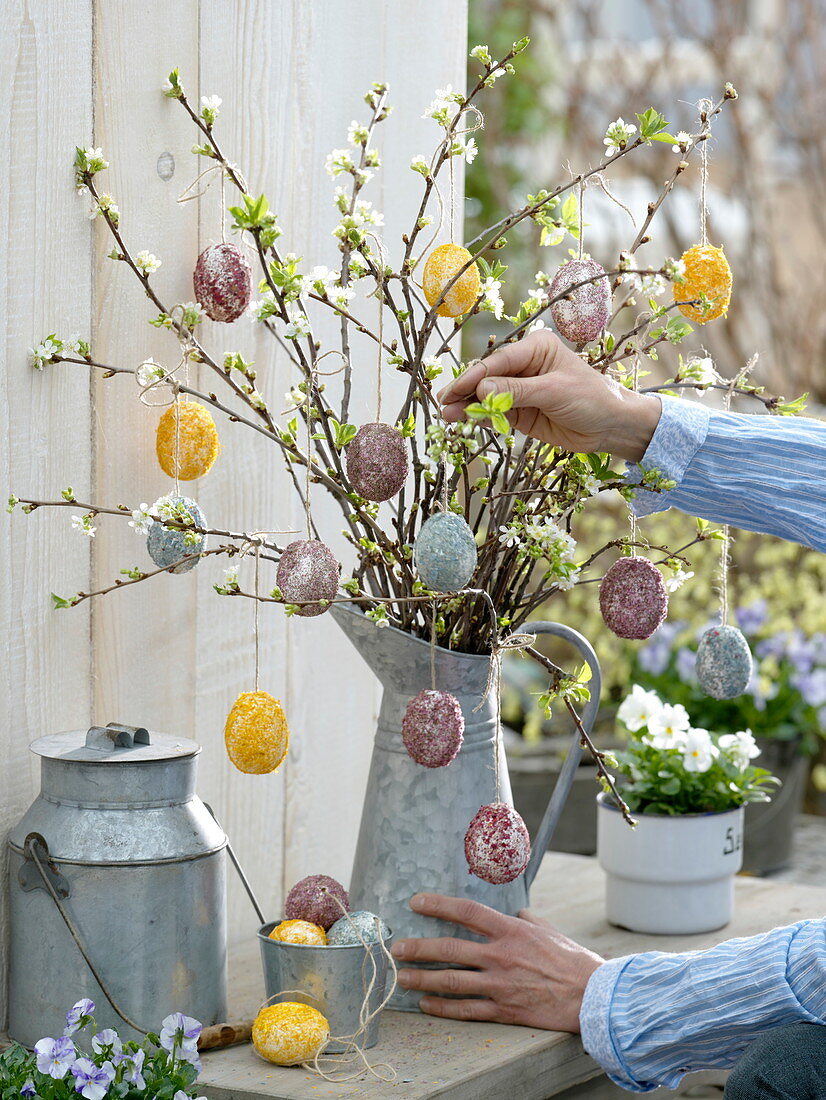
[414,818]
[116,887]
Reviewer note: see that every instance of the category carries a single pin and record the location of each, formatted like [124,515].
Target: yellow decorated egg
[197,445]
[289,1033]
[707,274]
[299,931]
[440,267]
[256,734]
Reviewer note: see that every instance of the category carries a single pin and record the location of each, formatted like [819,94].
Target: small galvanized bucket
[333,979]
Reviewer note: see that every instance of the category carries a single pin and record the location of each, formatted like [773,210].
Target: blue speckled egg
[166,545]
[445,552]
[723,662]
[344,932]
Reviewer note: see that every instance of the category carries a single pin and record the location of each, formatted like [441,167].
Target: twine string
[632,516]
[451,192]
[380,299]
[223,206]
[256,603]
[705,106]
[582,186]
[433,648]
[311,382]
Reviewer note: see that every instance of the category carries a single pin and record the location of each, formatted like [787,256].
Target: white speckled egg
[444,555]
[346,930]
[723,662]
[168,545]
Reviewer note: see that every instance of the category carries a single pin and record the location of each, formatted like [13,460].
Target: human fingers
[455,411]
[470,914]
[534,393]
[444,949]
[527,356]
[465,384]
[460,1010]
[468,983]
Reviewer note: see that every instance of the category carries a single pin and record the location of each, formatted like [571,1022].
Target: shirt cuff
[680,433]
[595,1024]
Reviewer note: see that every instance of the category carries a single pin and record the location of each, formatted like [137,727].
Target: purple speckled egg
[314,899]
[433,728]
[723,662]
[223,282]
[497,844]
[633,598]
[583,314]
[377,461]
[308,571]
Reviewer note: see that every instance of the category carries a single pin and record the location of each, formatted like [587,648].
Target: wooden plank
[145,640]
[305,68]
[463,1061]
[45,286]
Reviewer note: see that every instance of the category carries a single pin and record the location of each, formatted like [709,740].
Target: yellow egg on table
[708,275]
[197,443]
[289,1033]
[441,266]
[299,931]
[256,734]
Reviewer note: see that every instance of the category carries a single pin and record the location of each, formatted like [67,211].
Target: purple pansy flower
[752,617]
[28,1089]
[78,1016]
[134,1072]
[107,1042]
[181,1031]
[92,1081]
[686,665]
[55,1057]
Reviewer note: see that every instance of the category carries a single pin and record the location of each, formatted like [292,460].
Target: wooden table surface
[476,1061]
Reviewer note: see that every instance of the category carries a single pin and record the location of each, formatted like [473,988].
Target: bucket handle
[245,882]
[33,842]
[565,780]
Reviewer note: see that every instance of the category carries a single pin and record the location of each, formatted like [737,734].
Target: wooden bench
[474,1061]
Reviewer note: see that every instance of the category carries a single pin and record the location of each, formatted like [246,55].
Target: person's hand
[527,972]
[558,398]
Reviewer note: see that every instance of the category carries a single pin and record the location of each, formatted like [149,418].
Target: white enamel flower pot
[670,875]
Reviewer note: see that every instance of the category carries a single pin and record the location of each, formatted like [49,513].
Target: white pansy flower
[141,519]
[638,708]
[667,728]
[740,748]
[677,580]
[698,751]
[147,262]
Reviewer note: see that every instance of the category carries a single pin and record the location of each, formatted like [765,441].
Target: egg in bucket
[333,979]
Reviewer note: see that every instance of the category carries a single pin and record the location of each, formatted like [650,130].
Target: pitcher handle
[563,785]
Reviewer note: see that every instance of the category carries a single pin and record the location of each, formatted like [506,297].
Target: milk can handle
[32,843]
[567,774]
[116,736]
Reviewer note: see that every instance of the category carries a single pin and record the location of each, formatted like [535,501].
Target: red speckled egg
[584,313]
[433,728]
[308,571]
[633,598]
[377,461]
[223,282]
[497,844]
[314,899]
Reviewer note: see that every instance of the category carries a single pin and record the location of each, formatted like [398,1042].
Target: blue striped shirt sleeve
[759,473]
[649,1019]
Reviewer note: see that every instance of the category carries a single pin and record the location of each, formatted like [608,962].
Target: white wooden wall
[171,654]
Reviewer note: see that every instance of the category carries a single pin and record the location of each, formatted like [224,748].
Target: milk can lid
[114,744]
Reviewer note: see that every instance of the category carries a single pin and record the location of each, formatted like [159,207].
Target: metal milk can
[117,887]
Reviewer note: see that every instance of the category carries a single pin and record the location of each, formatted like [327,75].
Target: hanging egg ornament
[170,545]
[497,844]
[707,274]
[290,1033]
[440,268]
[256,734]
[433,728]
[583,314]
[316,899]
[633,598]
[302,932]
[724,663]
[377,461]
[223,282]
[308,571]
[197,440]
[444,555]
[357,927]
